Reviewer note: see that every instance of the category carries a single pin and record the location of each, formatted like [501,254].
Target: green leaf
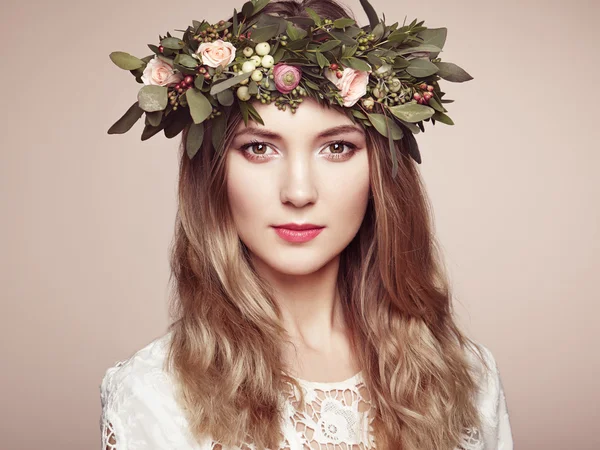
[176,122]
[186,60]
[451,72]
[434,36]
[244,109]
[153,98]
[199,82]
[258,5]
[294,32]
[343,37]
[235,26]
[412,147]
[397,36]
[322,60]
[150,130]
[378,31]
[379,122]
[376,61]
[194,139]
[126,61]
[298,45]
[128,119]
[219,124]
[441,117]
[263,34]
[328,45]
[356,63]
[421,68]
[412,112]
[154,118]
[370,11]
[225,97]
[302,21]
[172,43]
[248,9]
[313,15]
[200,107]
[390,134]
[218,87]
[358,114]
[343,22]
[436,105]
[421,48]
[348,51]
[254,114]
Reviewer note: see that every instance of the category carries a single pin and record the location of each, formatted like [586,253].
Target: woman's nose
[298,184]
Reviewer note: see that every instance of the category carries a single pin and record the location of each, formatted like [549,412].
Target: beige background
[87,217]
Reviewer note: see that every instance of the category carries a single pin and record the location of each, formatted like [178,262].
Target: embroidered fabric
[139,411]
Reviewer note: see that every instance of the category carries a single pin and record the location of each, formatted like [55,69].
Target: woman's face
[310,167]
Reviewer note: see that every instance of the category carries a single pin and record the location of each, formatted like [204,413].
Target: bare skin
[302,177]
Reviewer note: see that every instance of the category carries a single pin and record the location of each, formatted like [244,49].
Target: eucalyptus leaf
[451,72]
[218,87]
[153,98]
[264,34]
[172,43]
[200,107]
[412,147]
[248,9]
[176,122]
[441,117]
[225,97]
[412,112]
[370,11]
[329,45]
[322,60]
[379,122]
[420,48]
[259,4]
[313,15]
[421,68]
[343,22]
[359,114]
[154,117]
[186,60]
[149,131]
[434,36]
[253,87]
[356,63]
[126,61]
[128,119]
[436,105]
[194,138]
[219,124]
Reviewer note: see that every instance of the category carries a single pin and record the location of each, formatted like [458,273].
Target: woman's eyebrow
[268,134]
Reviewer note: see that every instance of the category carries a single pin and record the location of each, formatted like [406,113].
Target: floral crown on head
[383,76]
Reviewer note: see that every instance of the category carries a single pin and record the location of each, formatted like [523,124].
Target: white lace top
[139,411]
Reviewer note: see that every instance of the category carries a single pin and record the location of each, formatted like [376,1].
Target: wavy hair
[225,352]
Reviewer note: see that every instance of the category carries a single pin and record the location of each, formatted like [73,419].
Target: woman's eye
[256,150]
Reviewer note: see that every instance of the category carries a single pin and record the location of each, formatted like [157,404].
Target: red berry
[160,48]
[178,86]
[207,75]
[430,88]
[333,66]
[417,96]
[423,86]
[189,79]
[339,74]
[428,95]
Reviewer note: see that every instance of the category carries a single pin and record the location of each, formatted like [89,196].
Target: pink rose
[352,84]
[286,77]
[217,53]
[160,73]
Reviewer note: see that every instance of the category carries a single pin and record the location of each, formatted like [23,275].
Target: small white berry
[262,48]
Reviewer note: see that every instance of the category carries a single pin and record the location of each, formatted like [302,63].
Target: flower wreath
[383,76]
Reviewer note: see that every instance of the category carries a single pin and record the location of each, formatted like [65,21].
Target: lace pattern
[139,412]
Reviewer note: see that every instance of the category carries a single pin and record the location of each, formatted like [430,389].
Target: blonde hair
[226,354]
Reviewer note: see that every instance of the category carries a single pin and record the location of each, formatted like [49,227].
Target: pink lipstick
[293,232]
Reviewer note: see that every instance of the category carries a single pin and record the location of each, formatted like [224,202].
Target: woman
[310,306]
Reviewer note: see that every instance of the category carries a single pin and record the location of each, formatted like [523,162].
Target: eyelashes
[245,149]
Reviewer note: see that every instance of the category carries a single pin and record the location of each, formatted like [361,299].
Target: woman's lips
[297,235]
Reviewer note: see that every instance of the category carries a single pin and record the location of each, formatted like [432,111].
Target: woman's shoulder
[138,402]
[490,399]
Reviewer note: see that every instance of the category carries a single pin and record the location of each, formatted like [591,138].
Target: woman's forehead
[310,119]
